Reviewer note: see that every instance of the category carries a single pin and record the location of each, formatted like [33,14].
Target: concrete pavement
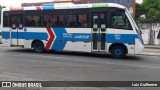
[152,50]
[25,65]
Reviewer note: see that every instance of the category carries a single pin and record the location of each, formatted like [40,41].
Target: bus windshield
[135,25]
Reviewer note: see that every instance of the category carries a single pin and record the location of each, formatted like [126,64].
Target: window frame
[78,12]
[8,19]
[33,13]
[52,13]
[122,12]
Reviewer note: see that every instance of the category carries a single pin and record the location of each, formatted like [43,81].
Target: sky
[17,3]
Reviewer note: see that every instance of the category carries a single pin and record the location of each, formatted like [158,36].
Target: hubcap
[118,52]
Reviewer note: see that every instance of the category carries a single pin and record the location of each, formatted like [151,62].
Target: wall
[150,32]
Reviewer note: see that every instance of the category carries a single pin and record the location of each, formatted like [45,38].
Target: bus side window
[58,20]
[33,18]
[120,21]
[6,19]
[61,20]
[71,20]
[82,21]
[13,21]
[47,20]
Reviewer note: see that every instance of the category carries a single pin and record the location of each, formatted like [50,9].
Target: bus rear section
[97,28]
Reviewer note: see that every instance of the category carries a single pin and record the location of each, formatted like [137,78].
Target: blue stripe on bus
[59,42]
[25,35]
[62,37]
[121,38]
[6,35]
[48,7]
[61,34]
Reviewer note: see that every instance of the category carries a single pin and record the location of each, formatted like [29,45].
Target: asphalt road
[24,64]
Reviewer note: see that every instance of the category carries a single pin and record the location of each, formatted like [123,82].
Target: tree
[151,9]
[139,11]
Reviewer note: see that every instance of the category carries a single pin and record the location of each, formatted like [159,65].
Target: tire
[38,47]
[118,52]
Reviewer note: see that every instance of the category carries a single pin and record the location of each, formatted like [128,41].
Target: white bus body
[99,27]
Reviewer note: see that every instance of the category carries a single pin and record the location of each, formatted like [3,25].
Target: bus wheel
[38,47]
[118,52]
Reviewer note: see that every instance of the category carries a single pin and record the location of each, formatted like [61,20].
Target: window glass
[47,20]
[53,20]
[95,19]
[5,19]
[13,20]
[82,19]
[103,18]
[16,20]
[71,20]
[33,20]
[20,19]
[58,20]
[120,21]
[77,20]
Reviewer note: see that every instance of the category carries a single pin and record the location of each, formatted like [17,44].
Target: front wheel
[38,47]
[118,52]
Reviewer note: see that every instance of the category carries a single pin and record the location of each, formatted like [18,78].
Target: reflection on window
[47,20]
[58,20]
[20,20]
[13,20]
[34,21]
[95,19]
[71,21]
[120,21]
[82,19]
[55,20]
[77,21]
[102,18]
[5,19]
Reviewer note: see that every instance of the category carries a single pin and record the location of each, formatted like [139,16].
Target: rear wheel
[118,52]
[38,47]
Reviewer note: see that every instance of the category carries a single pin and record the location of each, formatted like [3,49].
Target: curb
[150,54]
[152,46]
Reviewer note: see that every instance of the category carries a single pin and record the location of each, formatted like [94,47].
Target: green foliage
[151,10]
[139,11]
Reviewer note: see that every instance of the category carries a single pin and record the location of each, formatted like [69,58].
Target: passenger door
[99,22]
[16,23]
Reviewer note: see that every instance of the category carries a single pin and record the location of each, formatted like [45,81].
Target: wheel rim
[38,47]
[118,52]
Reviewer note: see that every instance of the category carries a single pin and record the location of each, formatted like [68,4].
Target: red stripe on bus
[50,41]
[17,9]
[38,7]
